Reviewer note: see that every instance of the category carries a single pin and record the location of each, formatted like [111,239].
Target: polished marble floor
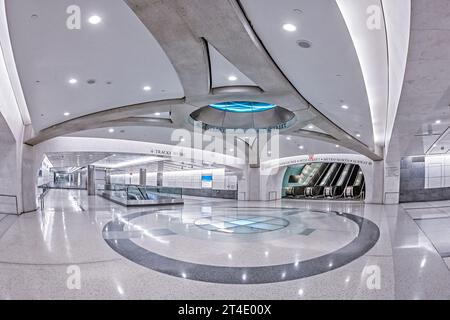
[225,249]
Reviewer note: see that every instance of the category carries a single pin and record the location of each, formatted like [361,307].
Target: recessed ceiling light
[437,121]
[73,81]
[182,139]
[289,27]
[110,130]
[147,88]
[157,114]
[344,107]
[95,19]
[66,114]
[337,146]
[358,135]
[288,138]
[114,155]
[310,127]
[301,147]
[231,150]
[232,78]
[305,44]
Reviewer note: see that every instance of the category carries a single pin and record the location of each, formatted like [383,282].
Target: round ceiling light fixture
[289,27]
[95,19]
[232,78]
[345,107]
[66,114]
[73,81]
[242,106]
[147,88]
[243,115]
[110,130]
[305,44]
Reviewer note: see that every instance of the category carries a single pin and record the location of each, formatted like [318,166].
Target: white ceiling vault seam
[8,56]
[397,17]
[224,73]
[67,73]
[326,73]
[369,39]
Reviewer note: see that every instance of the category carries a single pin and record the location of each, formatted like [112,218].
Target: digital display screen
[206,181]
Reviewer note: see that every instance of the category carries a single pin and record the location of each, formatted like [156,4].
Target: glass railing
[139,195]
[63,185]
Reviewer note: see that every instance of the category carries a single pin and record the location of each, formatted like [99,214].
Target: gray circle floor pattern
[367,237]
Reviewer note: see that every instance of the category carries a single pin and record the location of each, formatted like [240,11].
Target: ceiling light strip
[369,43]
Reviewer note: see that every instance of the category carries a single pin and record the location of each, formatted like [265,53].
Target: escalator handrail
[322,175]
[340,185]
[140,191]
[357,176]
[333,174]
[335,178]
[348,180]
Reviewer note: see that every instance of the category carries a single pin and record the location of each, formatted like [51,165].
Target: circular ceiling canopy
[243,115]
[242,106]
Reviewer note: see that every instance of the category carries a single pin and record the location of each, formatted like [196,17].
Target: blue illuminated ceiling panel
[242,106]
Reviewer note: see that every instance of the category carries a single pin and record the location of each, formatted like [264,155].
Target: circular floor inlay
[241,224]
[367,237]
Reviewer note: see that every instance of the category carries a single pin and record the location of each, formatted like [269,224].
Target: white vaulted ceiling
[119,53]
[328,74]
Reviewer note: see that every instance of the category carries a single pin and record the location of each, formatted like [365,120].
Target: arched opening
[324,180]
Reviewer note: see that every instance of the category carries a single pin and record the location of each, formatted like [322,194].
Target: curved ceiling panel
[365,22]
[328,73]
[224,73]
[115,62]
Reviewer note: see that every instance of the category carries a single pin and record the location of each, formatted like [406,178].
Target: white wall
[437,172]
[125,178]
[193,179]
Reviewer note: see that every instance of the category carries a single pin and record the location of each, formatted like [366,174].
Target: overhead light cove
[242,106]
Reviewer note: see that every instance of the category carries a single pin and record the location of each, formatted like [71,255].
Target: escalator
[141,193]
[300,179]
[337,190]
[136,193]
[310,178]
[331,176]
[356,190]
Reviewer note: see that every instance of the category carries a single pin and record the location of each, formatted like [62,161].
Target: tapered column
[159,175]
[143,177]
[91,181]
